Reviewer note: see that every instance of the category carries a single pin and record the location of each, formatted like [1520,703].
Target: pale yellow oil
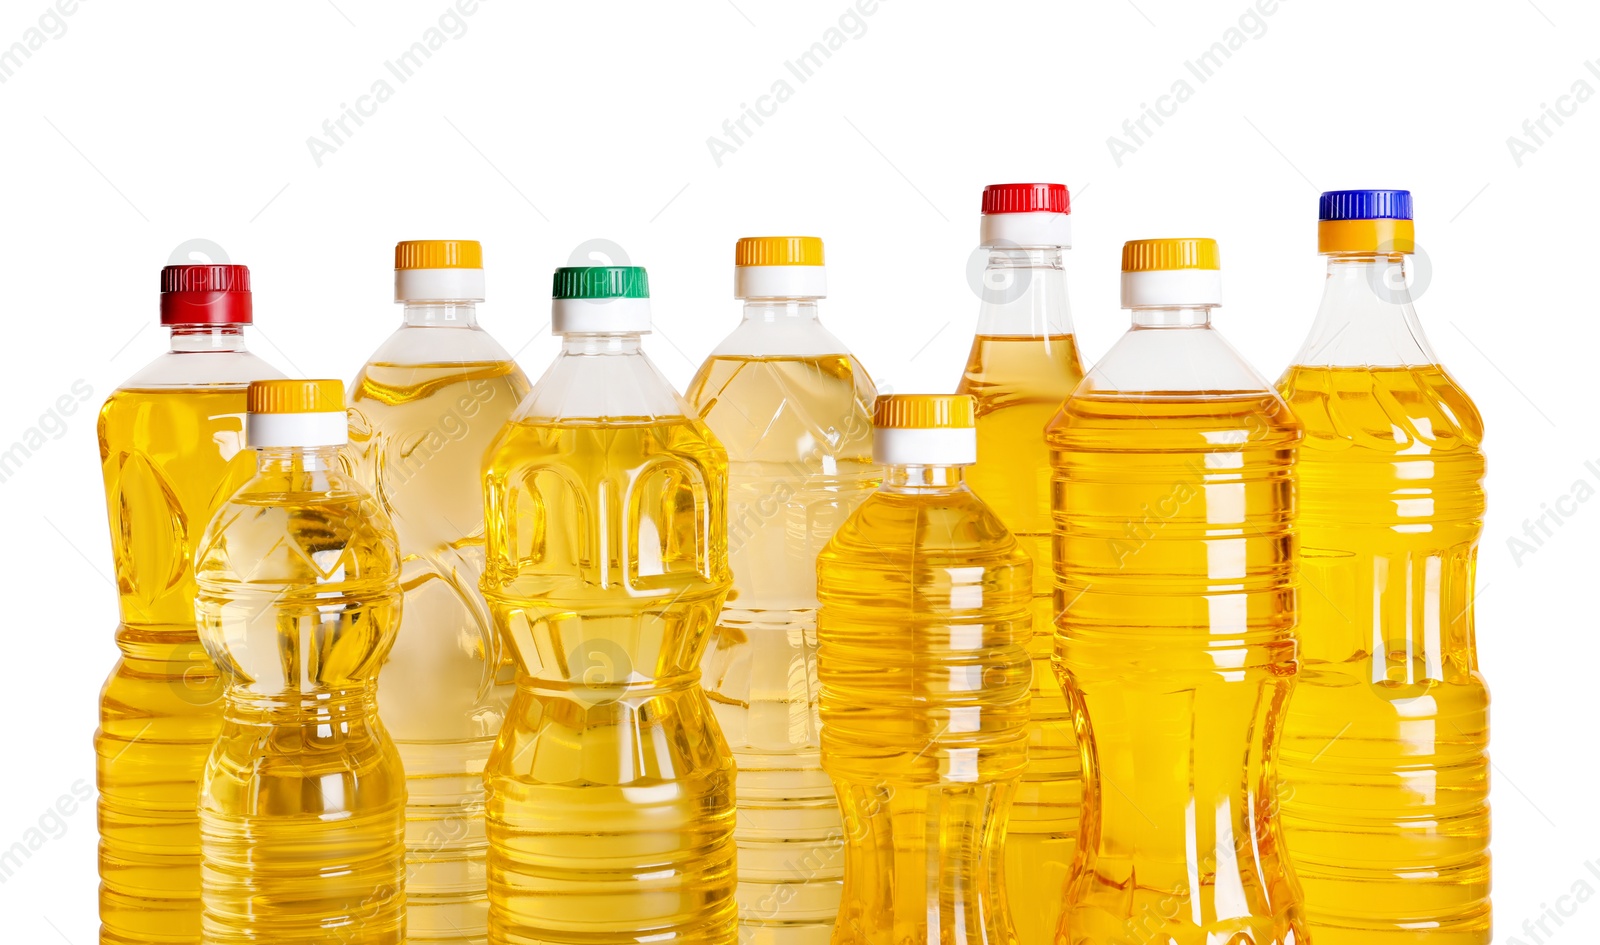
[611,790]
[1175,552]
[1384,762]
[1020,382]
[169,455]
[798,431]
[302,806]
[925,672]
[418,433]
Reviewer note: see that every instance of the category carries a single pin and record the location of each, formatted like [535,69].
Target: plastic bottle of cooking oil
[1384,766]
[1024,363]
[923,632]
[302,807]
[1174,508]
[171,447]
[793,409]
[611,793]
[422,412]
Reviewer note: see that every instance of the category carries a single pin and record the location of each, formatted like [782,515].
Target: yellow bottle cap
[1165,255]
[924,412]
[778,251]
[1366,236]
[438,254]
[293,396]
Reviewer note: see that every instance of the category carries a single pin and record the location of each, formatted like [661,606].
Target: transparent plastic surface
[302,806]
[793,410]
[423,411]
[1384,763]
[171,448]
[923,659]
[1023,364]
[1174,506]
[611,790]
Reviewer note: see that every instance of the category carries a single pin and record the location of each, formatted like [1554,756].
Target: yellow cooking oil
[418,432]
[798,432]
[1020,381]
[925,616]
[169,455]
[1174,519]
[1384,759]
[611,790]
[302,806]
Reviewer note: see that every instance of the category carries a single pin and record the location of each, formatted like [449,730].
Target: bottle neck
[600,344]
[1024,293]
[441,315]
[220,338]
[1366,317]
[296,460]
[780,310]
[1172,316]
[923,479]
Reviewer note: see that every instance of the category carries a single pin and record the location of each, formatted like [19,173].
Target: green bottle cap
[600,282]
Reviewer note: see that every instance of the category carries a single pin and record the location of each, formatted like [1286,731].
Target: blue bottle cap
[1365,205]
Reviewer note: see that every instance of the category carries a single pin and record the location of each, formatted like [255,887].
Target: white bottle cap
[924,430]
[1026,215]
[597,299]
[296,413]
[438,271]
[1171,272]
[779,267]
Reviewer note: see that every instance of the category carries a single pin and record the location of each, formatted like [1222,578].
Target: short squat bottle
[1174,511]
[793,408]
[611,794]
[922,652]
[171,448]
[423,409]
[1384,764]
[302,806]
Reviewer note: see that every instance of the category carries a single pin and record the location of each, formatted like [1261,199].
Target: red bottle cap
[205,295]
[1026,198]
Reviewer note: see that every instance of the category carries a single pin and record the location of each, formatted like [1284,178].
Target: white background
[544,125]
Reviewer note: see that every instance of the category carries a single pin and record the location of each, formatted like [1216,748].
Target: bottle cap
[1026,215]
[1365,221]
[205,295]
[779,267]
[438,271]
[925,430]
[295,413]
[1171,272]
[600,299]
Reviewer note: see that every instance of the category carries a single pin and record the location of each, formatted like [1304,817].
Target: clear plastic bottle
[1384,762]
[1024,364]
[171,448]
[302,806]
[611,790]
[922,635]
[1174,509]
[793,408]
[423,410]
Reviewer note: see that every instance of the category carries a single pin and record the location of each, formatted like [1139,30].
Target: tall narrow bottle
[611,792]
[1024,363]
[171,448]
[1384,764]
[793,408]
[1174,510]
[302,806]
[923,658]
[423,410]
